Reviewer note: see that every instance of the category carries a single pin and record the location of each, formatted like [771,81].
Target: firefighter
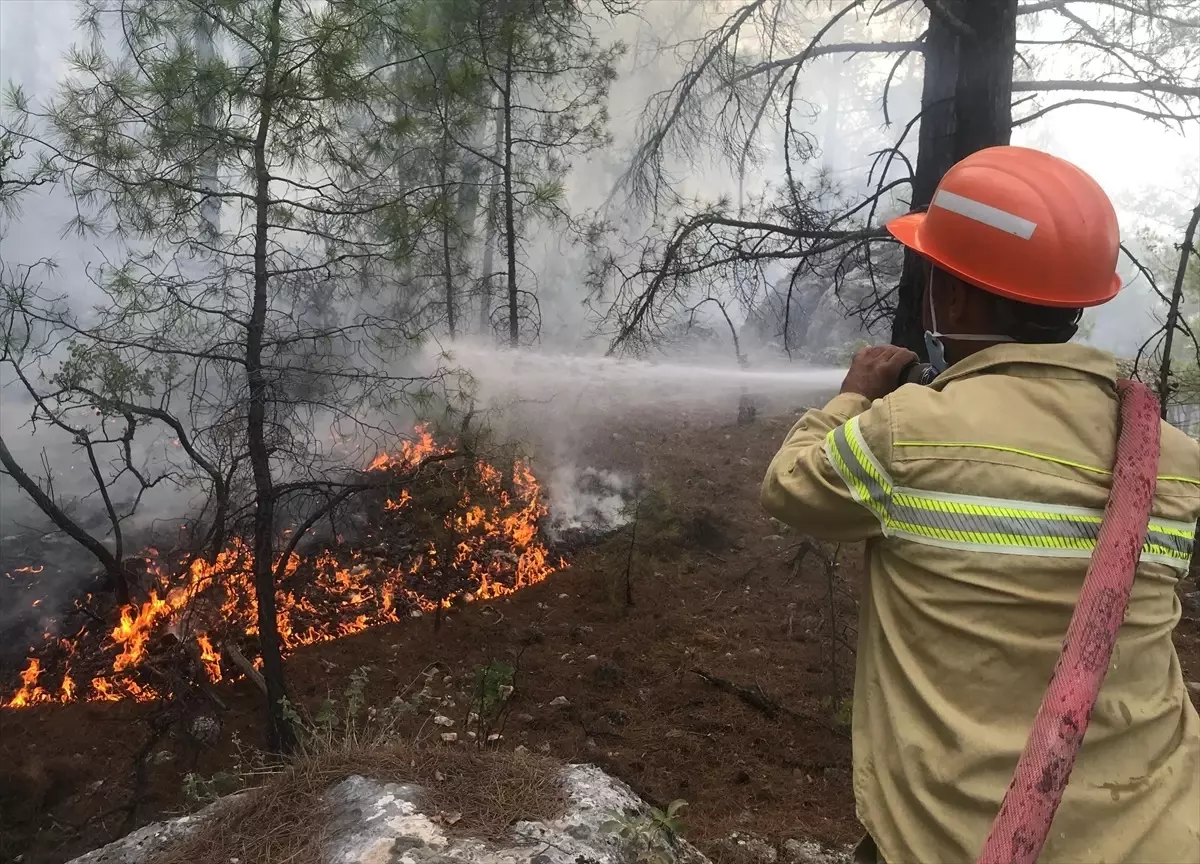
[979,498]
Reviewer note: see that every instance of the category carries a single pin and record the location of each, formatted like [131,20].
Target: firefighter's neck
[956,309]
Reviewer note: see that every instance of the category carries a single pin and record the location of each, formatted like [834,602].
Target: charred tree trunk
[983,95]
[935,155]
[281,737]
[966,105]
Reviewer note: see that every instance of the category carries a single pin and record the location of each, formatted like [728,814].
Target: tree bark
[935,155]
[489,232]
[281,737]
[1186,250]
[966,105]
[510,227]
[984,92]
[447,252]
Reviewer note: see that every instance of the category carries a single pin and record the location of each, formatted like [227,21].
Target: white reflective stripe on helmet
[991,216]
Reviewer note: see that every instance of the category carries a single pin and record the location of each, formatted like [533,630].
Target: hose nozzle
[917,372]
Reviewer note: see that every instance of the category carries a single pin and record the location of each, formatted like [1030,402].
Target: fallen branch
[239,660]
[763,703]
[755,698]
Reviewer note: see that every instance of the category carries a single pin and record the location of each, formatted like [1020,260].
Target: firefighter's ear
[956,304]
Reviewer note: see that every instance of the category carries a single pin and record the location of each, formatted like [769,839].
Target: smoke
[590,499]
[558,397]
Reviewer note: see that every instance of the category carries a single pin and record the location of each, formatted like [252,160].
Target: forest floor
[715,588]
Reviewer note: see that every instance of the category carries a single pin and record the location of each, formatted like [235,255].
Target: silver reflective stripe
[990,525]
[856,465]
[993,217]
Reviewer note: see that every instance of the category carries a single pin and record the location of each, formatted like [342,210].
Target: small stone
[524,718]
[162,757]
[747,847]
[592,658]
[442,720]
[560,702]
[449,737]
[564,596]
[505,691]
[494,737]
[744,462]
[773,538]
[808,852]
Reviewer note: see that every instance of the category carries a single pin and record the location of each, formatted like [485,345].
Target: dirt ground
[714,589]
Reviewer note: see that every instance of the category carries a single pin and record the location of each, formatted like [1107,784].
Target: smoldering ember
[599,431]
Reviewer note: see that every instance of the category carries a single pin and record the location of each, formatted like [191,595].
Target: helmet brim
[907,229]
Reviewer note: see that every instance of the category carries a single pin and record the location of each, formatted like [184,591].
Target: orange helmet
[1022,224]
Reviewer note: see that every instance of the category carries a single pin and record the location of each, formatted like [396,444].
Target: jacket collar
[1034,361]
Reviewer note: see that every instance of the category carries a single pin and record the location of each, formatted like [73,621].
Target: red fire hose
[1023,823]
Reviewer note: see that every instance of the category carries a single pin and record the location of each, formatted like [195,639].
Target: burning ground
[716,587]
[447,530]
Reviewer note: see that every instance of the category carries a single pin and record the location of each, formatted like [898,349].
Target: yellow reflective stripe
[1187,532]
[980,524]
[866,459]
[1032,455]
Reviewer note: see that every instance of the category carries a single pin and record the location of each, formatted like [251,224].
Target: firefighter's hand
[875,370]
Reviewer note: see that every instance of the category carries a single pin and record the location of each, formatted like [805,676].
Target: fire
[487,546]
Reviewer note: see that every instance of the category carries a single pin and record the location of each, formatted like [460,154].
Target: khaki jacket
[979,498]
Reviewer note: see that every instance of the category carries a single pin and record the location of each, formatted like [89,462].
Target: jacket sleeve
[831,478]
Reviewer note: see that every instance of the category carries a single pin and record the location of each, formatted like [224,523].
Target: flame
[487,546]
[209,657]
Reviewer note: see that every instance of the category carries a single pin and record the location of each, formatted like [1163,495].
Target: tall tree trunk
[210,207]
[984,91]
[510,227]
[935,155]
[281,737]
[966,105]
[447,252]
[1186,250]
[489,233]
[831,111]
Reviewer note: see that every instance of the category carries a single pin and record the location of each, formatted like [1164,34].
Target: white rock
[443,720]
[560,702]
[373,823]
[449,737]
[808,852]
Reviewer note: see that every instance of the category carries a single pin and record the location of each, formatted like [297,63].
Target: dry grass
[286,819]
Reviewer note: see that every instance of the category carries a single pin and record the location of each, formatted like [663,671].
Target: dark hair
[1034,325]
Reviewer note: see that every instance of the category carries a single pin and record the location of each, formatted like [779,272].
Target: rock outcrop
[382,823]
